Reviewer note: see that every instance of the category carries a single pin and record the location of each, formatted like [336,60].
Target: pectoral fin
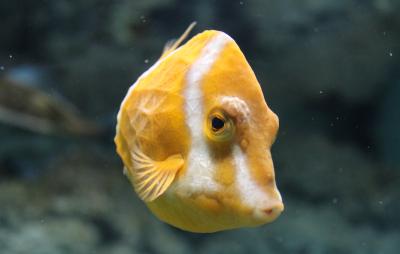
[152,178]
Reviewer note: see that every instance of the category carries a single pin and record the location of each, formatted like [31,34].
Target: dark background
[329,69]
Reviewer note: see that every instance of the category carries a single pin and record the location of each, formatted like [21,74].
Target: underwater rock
[59,218]
[29,108]
[68,234]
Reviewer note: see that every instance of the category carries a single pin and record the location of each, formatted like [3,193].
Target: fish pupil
[217,123]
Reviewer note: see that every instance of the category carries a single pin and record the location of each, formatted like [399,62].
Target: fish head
[240,129]
[239,135]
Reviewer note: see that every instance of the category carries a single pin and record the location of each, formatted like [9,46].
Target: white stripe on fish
[200,171]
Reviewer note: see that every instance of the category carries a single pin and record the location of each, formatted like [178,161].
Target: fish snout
[269,212]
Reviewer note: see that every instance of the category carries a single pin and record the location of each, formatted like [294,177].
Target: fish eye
[217,123]
[220,126]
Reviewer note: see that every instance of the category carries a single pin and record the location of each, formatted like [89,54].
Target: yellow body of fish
[194,133]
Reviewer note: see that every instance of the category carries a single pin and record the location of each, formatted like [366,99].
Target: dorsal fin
[173,44]
[152,178]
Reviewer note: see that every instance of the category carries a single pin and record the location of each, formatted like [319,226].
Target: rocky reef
[329,69]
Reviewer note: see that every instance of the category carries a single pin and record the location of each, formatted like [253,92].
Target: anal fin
[152,178]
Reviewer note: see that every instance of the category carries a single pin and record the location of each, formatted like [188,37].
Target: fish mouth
[268,213]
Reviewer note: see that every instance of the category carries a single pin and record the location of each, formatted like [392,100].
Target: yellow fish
[194,133]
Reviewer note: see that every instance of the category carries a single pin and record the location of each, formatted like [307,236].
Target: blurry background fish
[329,69]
